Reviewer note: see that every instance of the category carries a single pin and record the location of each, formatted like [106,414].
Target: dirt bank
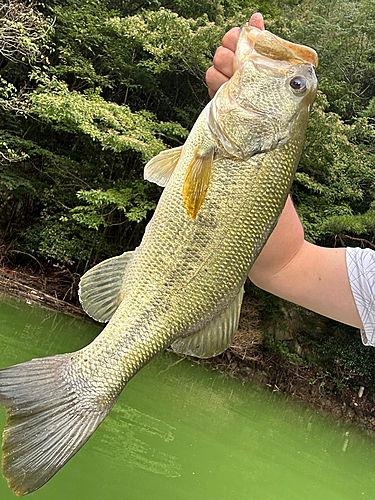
[56,288]
[248,359]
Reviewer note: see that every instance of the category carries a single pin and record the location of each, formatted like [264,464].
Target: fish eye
[298,85]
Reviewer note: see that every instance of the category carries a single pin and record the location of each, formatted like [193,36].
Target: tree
[23,31]
[114,83]
[74,190]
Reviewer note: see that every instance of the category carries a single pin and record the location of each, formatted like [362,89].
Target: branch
[22,28]
[361,240]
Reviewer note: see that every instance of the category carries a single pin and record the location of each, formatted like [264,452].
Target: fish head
[268,99]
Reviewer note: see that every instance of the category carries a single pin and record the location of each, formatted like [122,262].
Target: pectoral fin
[100,288]
[161,167]
[196,182]
[216,336]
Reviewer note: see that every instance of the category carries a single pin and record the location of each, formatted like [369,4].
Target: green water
[181,432]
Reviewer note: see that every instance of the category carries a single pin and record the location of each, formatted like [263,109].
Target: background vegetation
[90,90]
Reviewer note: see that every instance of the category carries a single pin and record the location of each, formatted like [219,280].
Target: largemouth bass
[183,286]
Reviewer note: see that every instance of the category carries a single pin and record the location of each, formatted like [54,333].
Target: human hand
[222,68]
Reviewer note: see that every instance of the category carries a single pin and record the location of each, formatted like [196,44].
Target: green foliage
[336,177]
[114,127]
[23,32]
[153,59]
[216,10]
[283,350]
[343,34]
[65,243]
[344,358]
[362,226]
[132,201]
[86,103]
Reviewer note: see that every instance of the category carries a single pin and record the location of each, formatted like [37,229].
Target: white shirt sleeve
[361,271]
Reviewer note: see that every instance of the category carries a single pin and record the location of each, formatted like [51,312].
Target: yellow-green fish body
[188,270]
[183,286]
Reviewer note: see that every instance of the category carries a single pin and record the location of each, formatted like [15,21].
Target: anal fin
[216,336]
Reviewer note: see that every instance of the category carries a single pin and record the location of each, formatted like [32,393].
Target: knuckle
[220,57]
[210,75]
[228,36]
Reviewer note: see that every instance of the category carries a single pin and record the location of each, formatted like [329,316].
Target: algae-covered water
[180,432]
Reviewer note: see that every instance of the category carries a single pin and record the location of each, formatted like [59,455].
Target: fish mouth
[272,56]
[269,45]
[275,52]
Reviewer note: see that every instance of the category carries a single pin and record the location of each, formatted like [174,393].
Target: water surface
[180,432]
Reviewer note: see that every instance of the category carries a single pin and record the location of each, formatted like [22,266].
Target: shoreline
[248,359]
[31,287]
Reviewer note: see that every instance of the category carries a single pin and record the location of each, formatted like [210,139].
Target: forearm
[288,266]
[311,276]
[283,244]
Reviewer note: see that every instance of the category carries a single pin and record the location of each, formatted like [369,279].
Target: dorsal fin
[161,167]
[100,288]
[216,336]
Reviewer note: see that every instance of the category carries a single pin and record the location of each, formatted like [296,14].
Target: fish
[224,190]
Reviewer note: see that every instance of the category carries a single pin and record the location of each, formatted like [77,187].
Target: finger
[223,61]
[256,20]
[214,80]
[222,69]
[230,39]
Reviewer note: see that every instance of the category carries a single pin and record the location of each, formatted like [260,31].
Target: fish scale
[183,286]
[197,296]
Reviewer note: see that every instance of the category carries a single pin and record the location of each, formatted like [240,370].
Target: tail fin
[47,422]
